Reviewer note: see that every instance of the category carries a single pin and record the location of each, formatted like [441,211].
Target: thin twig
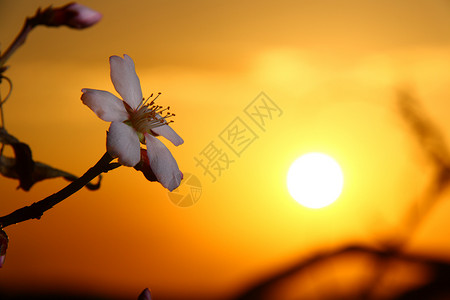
[2,101]
[37,209]
[29,24]
[263,286]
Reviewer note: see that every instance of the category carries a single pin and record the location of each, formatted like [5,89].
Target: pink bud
[3,246]
[145,295]
[73,15]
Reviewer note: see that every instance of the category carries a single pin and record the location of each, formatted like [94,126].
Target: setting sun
[315,180]
[314,165]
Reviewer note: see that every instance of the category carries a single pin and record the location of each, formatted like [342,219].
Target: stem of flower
[20,39]
[2,101]
[37,209]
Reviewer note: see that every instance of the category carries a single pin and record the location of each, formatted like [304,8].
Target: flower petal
[123,142]
[162,163]
[125,80]
[170,134]
[105,105]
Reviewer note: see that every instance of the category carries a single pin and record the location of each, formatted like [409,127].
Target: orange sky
[332,67]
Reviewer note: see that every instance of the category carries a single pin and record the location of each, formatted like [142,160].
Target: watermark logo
[188,193]
[229,145]
[234,139]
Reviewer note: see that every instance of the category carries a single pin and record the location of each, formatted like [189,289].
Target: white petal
[105,105]
[170,134]
[123,142]
[162,163]
[125,80]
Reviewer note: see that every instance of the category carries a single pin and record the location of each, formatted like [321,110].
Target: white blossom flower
[135,121]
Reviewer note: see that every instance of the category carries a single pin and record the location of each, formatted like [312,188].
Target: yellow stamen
[148,115]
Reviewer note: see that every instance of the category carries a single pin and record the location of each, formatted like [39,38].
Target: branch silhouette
[28,171]
[433,145]
[37,209]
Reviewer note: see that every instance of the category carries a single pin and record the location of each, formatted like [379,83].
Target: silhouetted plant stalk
[434,147]
[2,101]
[72,15]
[22,166]
[134,121]
[37,209]
[29,24]
[389,252]
[442,268]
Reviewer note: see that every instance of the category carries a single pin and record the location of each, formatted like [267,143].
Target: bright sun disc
[315,180]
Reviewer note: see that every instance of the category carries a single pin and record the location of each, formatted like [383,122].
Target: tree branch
[37,209]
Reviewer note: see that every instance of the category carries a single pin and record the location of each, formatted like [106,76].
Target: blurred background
[333,69]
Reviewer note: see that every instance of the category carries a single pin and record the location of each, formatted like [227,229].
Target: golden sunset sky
[331,67]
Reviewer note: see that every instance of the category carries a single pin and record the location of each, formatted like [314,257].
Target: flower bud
[144,167]
[145,295]
[3,246]
[73,15]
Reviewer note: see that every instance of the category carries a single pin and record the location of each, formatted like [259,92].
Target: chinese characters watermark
[214,160]
[238,136]
[217,156]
